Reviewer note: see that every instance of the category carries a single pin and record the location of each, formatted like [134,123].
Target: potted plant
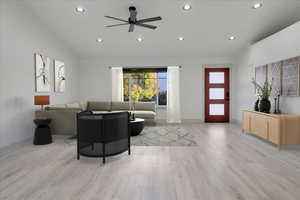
[264,93]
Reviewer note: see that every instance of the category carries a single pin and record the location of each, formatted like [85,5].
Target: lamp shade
[41,100]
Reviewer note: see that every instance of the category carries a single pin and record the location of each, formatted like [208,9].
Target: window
[145,85]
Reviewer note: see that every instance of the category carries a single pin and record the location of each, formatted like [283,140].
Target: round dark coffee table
[42,134]
[137,126]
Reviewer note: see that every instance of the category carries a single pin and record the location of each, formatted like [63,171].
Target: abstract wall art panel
[274,77]
[59,76]
[42,73]
[261,74]
[290,77]
[284,76]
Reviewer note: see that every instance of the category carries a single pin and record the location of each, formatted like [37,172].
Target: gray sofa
[64,115]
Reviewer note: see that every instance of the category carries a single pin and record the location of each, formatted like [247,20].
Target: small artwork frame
[42,73]
[275,77]
[59,76]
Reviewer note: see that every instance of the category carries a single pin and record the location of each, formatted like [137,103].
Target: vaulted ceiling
[205,28]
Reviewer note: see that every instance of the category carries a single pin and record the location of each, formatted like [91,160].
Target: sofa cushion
[63,121]
[150,106]
[56,107]
[120,106]
[144,114]
[74,106]
[99,105]
[84,105]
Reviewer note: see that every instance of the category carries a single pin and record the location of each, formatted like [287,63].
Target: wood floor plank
[225,164]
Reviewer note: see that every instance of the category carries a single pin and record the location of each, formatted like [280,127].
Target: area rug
[164,136]
[160,135]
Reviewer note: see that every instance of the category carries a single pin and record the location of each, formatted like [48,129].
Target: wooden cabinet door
[274,130]
[246,121]
[259,125]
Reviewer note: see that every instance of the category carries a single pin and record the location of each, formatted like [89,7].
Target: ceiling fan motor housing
[132,18]
[131,21]
[132,8]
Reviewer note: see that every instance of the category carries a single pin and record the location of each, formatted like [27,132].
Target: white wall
[22,34]
[1,70]
[95,80]
[282,45]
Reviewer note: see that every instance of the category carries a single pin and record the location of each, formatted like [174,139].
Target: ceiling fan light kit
[99,40]
[80,9]
[187,7]
[132,20]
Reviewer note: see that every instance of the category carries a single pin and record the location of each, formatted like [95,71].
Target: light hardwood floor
[226,164]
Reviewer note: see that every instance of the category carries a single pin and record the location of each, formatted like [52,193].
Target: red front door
[217,95]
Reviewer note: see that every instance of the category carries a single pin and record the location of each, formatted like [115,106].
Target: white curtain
[173,106]
[117,84]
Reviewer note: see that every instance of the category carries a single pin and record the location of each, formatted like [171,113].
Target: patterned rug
[164,136]
[159,135]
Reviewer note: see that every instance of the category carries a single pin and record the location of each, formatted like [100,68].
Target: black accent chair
[102,135]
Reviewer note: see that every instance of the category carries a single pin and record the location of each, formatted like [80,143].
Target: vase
[256,106]
[278,105]
[275,106]
[264,105]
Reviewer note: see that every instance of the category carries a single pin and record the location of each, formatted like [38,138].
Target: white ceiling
[205,28]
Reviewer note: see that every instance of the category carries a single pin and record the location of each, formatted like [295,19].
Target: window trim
[145,70]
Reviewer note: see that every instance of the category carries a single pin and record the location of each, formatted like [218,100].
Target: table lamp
[41,100]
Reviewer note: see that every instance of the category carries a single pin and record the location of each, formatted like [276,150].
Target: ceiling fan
[132,20]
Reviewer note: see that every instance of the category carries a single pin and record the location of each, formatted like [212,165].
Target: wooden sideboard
[280,129]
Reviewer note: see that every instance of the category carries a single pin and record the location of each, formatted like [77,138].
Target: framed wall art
[59,76]
[42,73]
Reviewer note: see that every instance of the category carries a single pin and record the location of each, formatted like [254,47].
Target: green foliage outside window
[142,86]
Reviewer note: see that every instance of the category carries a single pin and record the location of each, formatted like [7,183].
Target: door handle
[227,96]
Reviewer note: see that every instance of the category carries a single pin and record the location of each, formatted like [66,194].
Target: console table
[279,129]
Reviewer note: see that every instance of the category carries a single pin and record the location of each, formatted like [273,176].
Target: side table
[42,134]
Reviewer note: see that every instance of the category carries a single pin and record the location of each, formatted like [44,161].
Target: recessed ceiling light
[232,38]
[187,7]
[99,40]
[80,9]
[257,5]
[181,38]
[139,39]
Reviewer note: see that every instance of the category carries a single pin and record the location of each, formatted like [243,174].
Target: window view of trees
[145,87]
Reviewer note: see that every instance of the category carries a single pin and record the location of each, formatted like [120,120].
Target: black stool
[42,134]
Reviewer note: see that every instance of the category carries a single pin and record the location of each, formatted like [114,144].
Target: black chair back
[115,127]
[102,135]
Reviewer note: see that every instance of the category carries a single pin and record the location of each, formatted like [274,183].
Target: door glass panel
[216,93]
[216,77]
[216,109]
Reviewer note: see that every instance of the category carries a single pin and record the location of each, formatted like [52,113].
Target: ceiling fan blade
[147,26]
[131,28]
[117,25]
[149,19]
[115,18]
